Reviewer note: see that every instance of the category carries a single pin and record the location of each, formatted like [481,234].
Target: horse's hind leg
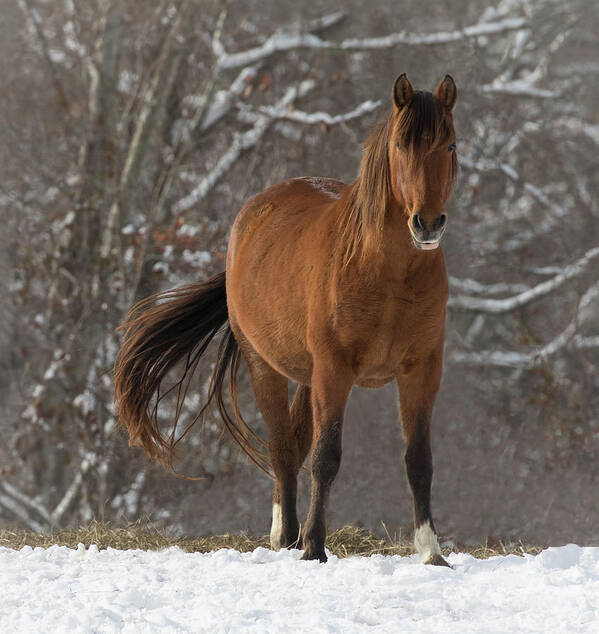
[301,421]
[301,426]
[270,391]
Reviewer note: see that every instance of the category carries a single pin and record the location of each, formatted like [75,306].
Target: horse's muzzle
[427,236]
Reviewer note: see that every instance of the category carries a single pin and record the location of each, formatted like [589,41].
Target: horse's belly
[378,366]
[391,345]
[375,381]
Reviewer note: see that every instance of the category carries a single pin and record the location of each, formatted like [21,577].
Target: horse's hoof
[310,555]
[437,560]
[285,543]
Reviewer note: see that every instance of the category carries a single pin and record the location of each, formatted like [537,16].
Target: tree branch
[26,501]
[70,493]
[153,100]
[285,40]
[486,166]
[32,16]
[321,117]
[507,304]
[527,360]
[241,142]
[467,285]
[17,506]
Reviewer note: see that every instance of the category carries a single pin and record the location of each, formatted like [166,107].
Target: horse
[329,285]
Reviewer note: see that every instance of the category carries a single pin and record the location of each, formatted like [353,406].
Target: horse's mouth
[426,246]
[431,241]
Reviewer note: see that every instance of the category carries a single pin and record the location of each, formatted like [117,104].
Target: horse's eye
[399,146]
[451,148]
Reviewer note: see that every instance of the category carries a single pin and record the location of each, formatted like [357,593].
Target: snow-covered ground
[62,590]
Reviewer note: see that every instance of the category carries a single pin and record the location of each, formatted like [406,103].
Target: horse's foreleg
[417,390]
[329,394]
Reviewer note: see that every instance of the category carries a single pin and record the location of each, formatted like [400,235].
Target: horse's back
[304,196]
[281,216]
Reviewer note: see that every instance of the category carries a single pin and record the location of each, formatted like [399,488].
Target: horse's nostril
[441,221]
[417,222]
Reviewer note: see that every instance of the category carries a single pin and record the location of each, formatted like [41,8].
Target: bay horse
[329,285]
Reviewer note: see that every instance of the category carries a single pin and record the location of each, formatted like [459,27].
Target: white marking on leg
[276,527]
[425,542]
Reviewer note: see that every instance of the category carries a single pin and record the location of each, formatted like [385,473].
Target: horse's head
[422,157]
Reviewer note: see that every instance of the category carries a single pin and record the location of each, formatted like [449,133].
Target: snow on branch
[582,343]
[485,166]
[440,37]
[223,99]
[285,40]
[25,500]
[324,22]
[321,117]
[87,462]
[241,142]
[577,126]
[467,285]
[507,304]
[518,88]
[527,360]
[217,46]
[11,505]
[568,338]
[525,86]
[20,504]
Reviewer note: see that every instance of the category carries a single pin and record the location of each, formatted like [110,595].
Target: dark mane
[422,125]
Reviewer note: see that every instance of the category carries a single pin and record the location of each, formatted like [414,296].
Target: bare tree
[135,131]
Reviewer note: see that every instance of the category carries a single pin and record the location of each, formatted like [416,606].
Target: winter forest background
[131,133]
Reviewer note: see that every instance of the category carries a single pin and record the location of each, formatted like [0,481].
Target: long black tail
[159,331]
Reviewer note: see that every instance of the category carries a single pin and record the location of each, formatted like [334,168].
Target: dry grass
[145,536]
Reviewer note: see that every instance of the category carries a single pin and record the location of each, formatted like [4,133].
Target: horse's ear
[446,92]
[402,91]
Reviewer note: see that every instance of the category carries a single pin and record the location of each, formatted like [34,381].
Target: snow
[189,231]
[197,259]
[519,87]
[85,401]
[510,171]
[50,373]
[87,590]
